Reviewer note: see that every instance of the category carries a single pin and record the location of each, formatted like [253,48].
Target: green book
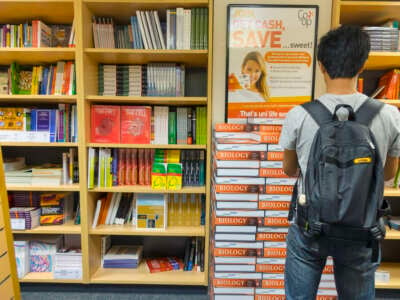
[192,28]
[172,126]
[101,80]
[197,41]
[205,36]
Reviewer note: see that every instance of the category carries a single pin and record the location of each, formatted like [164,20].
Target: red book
[158,265]
[135,124]
[141,167]
[105,124]
[134,167]
[121,166]
[128,167]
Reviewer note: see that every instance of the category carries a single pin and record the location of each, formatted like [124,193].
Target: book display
[105,129]
[379,80]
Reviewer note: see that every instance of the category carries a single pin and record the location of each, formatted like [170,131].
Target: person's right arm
[391,165]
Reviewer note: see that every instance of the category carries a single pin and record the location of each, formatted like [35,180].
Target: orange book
[273,284]
[272,173]
[275,252]
[104,212]
[53,83]
[279,189]
[274,205]
[271,236]
[239,188]
[222,282]
[237,252]
[275,156]
[240,155]
[231,127]
[240,221]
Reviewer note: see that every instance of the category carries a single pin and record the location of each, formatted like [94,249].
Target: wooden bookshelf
[131,230]
[34,188]
[142,56]
[375,13]
[37,99]
[177,101]
[148,190]
[35,55]
[143,276]
[147,146]
[86,60]
[68,228]
[33,144]
[45,277]
[394,270]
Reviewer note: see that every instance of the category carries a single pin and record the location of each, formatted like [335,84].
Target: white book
[239,180]
[235,268]
[248,229]
[146,29]
[59,78]
[234,237]
[244,245]
[179,28]
[241,147]
[273,197]
[235,260]
[239,213]
[281,181]
[237,172]
[151,29]
[238,276]
[237,205]
[275,148]
[276,213]
[159,31]
[271,164]
[142,30]
[96,214]
[115,209]
[236,197]
[250,164]
[273,229]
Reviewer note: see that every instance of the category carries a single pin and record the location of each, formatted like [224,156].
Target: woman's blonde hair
[261,83]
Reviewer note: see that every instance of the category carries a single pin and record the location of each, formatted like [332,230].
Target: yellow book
[151,211]
[180,211]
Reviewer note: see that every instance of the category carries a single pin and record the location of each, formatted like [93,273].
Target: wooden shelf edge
[150,100]
[187,2]
[144,146]
[394,270]
[392,192]
[148,190]
[131,230]
[145,51]
[46,277]
[16,187]
[369,3]
[142,276]
[32,144]
[68,228]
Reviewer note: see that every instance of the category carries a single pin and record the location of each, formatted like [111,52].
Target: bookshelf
[86,59]
[375,13]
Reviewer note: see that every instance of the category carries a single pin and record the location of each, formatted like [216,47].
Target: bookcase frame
[86,60]
[364,13]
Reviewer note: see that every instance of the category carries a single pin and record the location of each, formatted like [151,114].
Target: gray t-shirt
[299,127]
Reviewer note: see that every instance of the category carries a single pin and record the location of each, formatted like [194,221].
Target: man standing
[342,53]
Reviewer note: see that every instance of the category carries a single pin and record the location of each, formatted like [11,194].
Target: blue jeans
[306,258]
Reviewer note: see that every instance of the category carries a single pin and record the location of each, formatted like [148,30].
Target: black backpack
[344,184]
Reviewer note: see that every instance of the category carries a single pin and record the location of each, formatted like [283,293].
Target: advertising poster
[270,58]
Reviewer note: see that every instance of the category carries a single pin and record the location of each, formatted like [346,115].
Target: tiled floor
[116,292]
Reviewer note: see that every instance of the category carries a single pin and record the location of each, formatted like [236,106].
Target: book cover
[105,124]
[151,211]
[135,124]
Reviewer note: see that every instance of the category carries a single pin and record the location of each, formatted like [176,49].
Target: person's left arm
[290,163]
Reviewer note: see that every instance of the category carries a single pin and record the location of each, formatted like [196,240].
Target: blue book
[138,34]
[134,44]
[33,119]
[114,167]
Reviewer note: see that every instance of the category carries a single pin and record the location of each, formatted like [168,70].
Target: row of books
[17,172]
[182,29]
[161,125]
[194,255]
[31,209]
[56,79]
[36,34]
[59,255]
[160,210]
[42,124]
[154,79]
[250,203]
[117,167]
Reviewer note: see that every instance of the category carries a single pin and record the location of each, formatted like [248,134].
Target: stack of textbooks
[19,124]
[180,29]
[53,208]
[46,174]
[68,264]
[154,79]
[123,257]
[58,79]
[145,167]
[148,125]
[24,218]
[36,34]
[383,38]
[250,202]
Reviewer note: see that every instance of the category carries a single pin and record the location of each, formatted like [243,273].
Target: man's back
[300,128]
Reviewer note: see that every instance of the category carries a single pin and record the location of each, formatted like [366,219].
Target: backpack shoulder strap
[318,112]
[368,110]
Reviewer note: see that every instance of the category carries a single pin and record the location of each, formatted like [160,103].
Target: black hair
[343,51]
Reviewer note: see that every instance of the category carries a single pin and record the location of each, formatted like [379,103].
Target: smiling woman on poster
[251,84]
